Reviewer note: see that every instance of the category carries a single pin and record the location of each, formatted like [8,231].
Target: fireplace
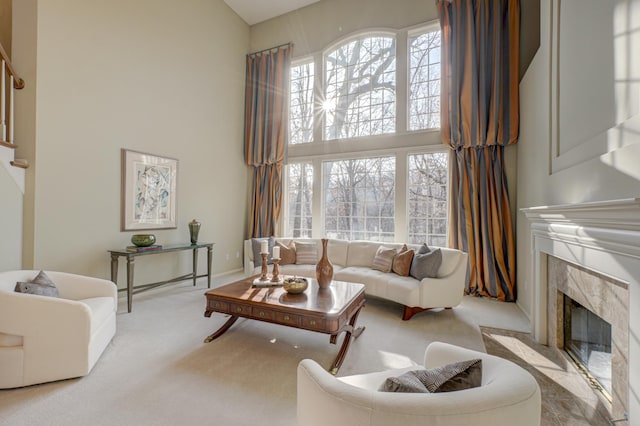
[587,340]
[590,253]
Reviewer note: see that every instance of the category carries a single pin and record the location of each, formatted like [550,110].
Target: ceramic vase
[324,268]
[194,229]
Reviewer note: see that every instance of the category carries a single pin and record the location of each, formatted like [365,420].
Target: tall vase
[324,268]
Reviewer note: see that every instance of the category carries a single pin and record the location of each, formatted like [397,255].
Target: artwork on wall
[148,191]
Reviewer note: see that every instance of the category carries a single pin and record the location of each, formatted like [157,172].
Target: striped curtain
[480,116]
[266,100]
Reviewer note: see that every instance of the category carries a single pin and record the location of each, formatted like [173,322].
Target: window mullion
[401,197]
[402,90]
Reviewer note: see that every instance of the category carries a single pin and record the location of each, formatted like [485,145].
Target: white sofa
[43,339]
[508,395]
[352,262]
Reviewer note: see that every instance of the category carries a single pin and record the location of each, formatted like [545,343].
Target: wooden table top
[331,301]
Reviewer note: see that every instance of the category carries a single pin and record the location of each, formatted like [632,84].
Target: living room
[168,78]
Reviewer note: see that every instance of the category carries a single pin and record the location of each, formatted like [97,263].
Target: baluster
[3,101]
[10,140]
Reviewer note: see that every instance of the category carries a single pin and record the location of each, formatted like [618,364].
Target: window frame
[423,29]
[368,33]
[295,63]
[401,143]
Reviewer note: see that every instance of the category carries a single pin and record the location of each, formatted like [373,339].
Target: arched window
[360,87]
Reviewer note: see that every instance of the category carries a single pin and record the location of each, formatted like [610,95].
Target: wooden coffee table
[330,311]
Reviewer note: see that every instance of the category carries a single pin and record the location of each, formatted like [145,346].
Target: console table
[133,289]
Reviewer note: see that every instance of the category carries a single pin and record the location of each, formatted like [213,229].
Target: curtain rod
[271,48]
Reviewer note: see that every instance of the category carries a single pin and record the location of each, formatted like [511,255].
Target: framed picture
[148,191]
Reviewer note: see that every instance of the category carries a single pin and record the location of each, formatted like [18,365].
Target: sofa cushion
[287,253]
[40,285]
[383,260]
[402,261]
[451,377]
[255,245]
[306,253]
[426,265]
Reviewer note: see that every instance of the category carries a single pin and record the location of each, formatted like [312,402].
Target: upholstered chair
[45,338]
[508,395]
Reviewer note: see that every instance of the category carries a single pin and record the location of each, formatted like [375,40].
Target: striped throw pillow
[306,253]
[383,260]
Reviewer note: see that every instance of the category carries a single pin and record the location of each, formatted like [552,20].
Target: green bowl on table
[143,240]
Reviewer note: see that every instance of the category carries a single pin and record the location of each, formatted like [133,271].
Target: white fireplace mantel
[601,236]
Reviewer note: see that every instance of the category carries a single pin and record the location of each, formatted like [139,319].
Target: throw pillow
[426,265]
[383,260]
[306,253]
[402,261]
[40,285]
[255,245]
[424,248]
[287,253]
[451,377]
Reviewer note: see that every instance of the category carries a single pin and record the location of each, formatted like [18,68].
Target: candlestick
[275,278]
[264,277]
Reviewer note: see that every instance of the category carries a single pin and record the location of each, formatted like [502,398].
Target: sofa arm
[30,315]
[248,258]
[76,287]
[324,400]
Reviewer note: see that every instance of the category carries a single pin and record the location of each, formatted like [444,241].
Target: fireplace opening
[587,339]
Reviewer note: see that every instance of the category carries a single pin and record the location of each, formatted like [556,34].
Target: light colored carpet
[158,371]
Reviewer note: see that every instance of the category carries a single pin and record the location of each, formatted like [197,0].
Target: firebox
[587,339]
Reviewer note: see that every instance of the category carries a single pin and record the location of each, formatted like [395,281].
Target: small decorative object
[324,268]
[295,285]
[143,240]
[194,228]
[263,276]
[276,260]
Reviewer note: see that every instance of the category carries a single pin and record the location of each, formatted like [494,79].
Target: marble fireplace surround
[596,243]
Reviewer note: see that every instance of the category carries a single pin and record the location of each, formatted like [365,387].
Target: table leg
[349,331]
[130,264]
[219,332]
[114,269]
[209,258]
[195,265]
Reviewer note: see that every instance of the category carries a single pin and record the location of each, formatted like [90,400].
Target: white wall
[10,222]
[580,115]
[159,76]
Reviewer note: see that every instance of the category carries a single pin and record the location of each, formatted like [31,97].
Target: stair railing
[8,75]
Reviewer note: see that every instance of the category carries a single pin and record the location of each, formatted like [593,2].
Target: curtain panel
[266,105]
[480,116]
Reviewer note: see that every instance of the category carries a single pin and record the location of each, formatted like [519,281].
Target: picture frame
[148,191]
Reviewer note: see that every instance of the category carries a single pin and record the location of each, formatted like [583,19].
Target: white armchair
[508,396]
[43,339]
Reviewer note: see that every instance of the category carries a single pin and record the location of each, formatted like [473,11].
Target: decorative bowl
[295,285]
[143,240]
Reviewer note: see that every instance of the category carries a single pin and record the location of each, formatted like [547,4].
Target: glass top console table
[130,256]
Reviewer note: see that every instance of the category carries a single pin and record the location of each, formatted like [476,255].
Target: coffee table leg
[351,330]
[221,330]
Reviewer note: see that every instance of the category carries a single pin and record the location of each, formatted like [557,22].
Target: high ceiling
[254,11]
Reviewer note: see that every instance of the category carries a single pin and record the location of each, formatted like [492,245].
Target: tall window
[355,188]
[427,198]
[360,88]
[301,104]
[359,199]
[300,187]
[424,81]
